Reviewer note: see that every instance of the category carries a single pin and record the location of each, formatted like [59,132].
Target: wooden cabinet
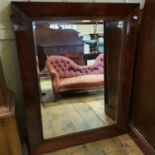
[55,42]
[143,103]
[9,137]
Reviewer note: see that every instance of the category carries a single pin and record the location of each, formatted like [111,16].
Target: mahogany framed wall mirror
[76,62]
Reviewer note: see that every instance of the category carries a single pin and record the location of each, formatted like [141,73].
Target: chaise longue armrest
[54,75]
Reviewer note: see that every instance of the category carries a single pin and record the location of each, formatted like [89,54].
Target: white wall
[8,53]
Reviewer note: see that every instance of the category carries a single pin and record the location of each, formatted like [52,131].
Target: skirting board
[141,141]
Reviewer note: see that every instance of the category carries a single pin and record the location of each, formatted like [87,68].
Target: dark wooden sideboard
[55,42]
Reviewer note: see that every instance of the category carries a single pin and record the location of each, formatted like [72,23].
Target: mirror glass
[70,59]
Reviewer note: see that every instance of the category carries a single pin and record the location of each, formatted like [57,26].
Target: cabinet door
[143,109]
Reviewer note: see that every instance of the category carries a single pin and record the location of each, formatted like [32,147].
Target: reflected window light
[33,25]
[120,24]
[16,27]
[135,17]
[53,26]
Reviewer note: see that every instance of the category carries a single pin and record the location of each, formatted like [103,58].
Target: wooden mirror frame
[23,13]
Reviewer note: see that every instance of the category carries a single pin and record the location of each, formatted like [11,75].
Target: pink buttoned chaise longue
[68,76]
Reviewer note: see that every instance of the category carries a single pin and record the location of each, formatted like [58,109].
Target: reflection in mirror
[70,65]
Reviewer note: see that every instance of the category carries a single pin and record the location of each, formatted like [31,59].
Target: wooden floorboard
[72,113]
[121,145]
[98,108]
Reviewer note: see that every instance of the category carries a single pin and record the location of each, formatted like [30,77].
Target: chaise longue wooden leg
[56,97]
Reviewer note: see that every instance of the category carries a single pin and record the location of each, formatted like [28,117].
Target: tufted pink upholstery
[67,68]
[63,69]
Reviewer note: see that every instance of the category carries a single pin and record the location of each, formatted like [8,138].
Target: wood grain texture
[72,113]
[54,42]
[113,47]
[9,136]
[122,145]
[106,10]
[143,115]
[23,15]
[12,138]
[141,140]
